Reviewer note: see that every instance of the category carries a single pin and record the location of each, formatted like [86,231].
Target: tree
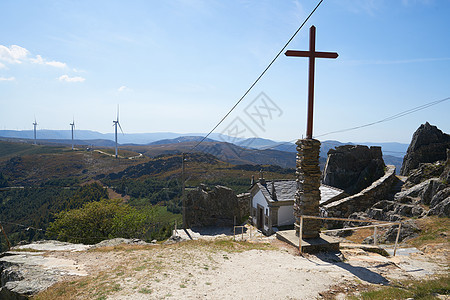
[97,221]
[3,181]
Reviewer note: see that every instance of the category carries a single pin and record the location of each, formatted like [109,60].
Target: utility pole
[183,187]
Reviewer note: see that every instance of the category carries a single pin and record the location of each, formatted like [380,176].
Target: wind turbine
[35,124]
[115,123]
[73,126]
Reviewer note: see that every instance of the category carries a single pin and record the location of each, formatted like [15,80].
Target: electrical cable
[393,117]
[257,79]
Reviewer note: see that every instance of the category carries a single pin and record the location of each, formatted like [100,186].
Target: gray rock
[423,172]
[445,176]
[353,167]
[23,275]
[439,197]
[393,211]
[423,192]
[428,145]
[173,240]
[408,230]
[442,209]
[119,241]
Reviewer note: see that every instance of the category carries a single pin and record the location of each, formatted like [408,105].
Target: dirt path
[223,269]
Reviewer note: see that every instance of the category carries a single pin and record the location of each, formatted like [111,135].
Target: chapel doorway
[260,217]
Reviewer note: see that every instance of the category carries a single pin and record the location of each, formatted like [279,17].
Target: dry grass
[141,267]
[434,230]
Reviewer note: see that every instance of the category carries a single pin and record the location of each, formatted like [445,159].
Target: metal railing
[380,224]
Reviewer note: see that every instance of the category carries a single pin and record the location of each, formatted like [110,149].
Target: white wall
[259,199]
[286,215]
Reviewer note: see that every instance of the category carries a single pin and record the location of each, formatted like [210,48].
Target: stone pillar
[307,196]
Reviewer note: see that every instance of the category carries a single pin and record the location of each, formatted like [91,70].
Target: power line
[259,77]
[393,117]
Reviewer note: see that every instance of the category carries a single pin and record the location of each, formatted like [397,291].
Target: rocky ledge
[26,270]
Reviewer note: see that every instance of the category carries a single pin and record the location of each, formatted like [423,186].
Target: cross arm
[311,54]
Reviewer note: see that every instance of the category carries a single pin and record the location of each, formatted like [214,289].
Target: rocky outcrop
[424,172]
[408,230]
[433,192]
[440,204]
[29,271]
[353,167]
[393,211]
[216,207]
[428,145]
[445,176]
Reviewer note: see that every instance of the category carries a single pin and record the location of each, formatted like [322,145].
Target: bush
[97,221]
[107,219]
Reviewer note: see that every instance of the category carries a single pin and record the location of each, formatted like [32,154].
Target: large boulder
[440,203]
[353,167]
[445,176]
[408,230]
[428,145]
[442,209]
[423,172]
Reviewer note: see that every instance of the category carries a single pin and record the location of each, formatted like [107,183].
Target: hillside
[26,164]
[37,182]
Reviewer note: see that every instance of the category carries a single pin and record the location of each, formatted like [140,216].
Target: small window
[267,211]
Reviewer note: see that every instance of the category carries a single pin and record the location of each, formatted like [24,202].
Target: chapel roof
[285,191]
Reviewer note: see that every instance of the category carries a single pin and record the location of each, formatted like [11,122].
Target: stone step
[323,243]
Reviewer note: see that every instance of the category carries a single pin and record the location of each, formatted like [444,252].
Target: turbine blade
[120,127]
[117,112]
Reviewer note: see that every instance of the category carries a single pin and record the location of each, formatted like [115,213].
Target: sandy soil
[208,270]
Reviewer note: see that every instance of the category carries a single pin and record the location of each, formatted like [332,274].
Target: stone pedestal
[307,196]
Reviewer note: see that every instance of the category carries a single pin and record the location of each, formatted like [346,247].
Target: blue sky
[179,66]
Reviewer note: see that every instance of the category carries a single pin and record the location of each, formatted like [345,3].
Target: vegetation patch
[107,219]
[229,246]
[432,230]
[413,289]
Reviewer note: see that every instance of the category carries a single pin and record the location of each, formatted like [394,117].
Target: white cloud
[39,60]
[17,55]
[66,78]
[2,66]
[7,78]
[123,88]
[14,54]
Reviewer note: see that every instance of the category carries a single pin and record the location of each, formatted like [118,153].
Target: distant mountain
[88,137]
[226,152]
[256,143]
[134,138]
[181,139]
[392,148]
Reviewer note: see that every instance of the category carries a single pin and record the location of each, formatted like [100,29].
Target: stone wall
[364,199]
[244,205]
[216,207]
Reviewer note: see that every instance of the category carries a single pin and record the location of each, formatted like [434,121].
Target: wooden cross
[312,54]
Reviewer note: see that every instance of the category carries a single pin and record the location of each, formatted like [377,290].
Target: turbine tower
[73,126]
[115,123]
[35,124]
